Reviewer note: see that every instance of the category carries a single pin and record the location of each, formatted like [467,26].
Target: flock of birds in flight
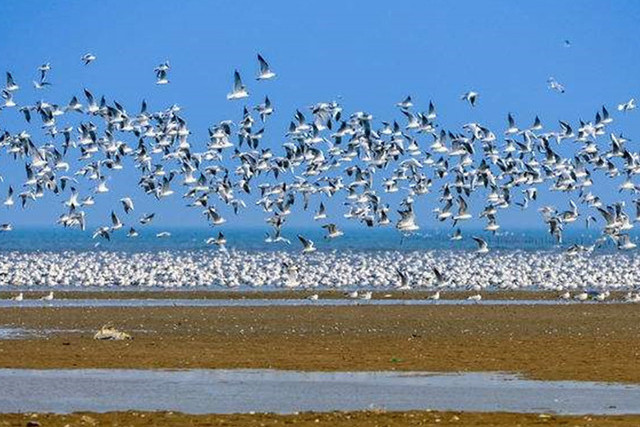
[327,155]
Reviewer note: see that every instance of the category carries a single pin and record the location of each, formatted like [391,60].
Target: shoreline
[221,293]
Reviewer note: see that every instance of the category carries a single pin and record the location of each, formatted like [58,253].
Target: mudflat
[598,342]
[338,419]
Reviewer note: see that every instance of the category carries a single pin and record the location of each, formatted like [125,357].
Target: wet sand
[597,342]
[339,419]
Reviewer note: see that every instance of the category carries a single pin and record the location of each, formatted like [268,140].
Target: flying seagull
[239,91]
[264,73]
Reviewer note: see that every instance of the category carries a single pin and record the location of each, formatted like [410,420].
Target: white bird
[308,245]
[554,85]
[88,58]
[332,231]
[366,296]
[220,240]
[161,77]
[18,297]
[476,297]
[11,85]
[321,214]
[583,296]
[264,73]
[239,91]
[627,106]
[116,224]
[146,219]
[352,294]
[127,204]
[9,200]
[457,235]
[470,97]
[48,297]
[482,245]
[406,103]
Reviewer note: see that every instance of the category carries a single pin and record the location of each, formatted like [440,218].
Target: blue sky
[370,54]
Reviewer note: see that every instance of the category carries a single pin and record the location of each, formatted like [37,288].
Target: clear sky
[369,53]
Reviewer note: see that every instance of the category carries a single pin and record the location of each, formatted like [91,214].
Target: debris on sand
[108,332]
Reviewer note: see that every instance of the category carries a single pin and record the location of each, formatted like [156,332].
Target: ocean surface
[253,239]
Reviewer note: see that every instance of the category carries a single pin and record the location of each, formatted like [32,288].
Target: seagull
[627,106]
[313,297]
[321,212]
[115,221]
[11,85]
[8,99]
[475,297]
[265,73]
[146,219]
[482,245]
[404,280]
[102,232]
[9,200]
[161,77]
[308,245]
[239,91]
[624,242]
[439,279]
[406,103]
[470,97]
[127,204]
[353,294]
[332,231]
[40,85]
[44,68]
[88,58]
[366,296]
[554,85]
[18,297]
[457,235]
[220,240]
[48,297]
[583,296]
[132,232]
[265,109]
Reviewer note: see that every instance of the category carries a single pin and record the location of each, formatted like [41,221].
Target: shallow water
[152,302]
[242,391]
[12,333]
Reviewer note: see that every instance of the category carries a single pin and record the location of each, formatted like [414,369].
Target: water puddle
[7,333]
[266,302]
[243,391]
